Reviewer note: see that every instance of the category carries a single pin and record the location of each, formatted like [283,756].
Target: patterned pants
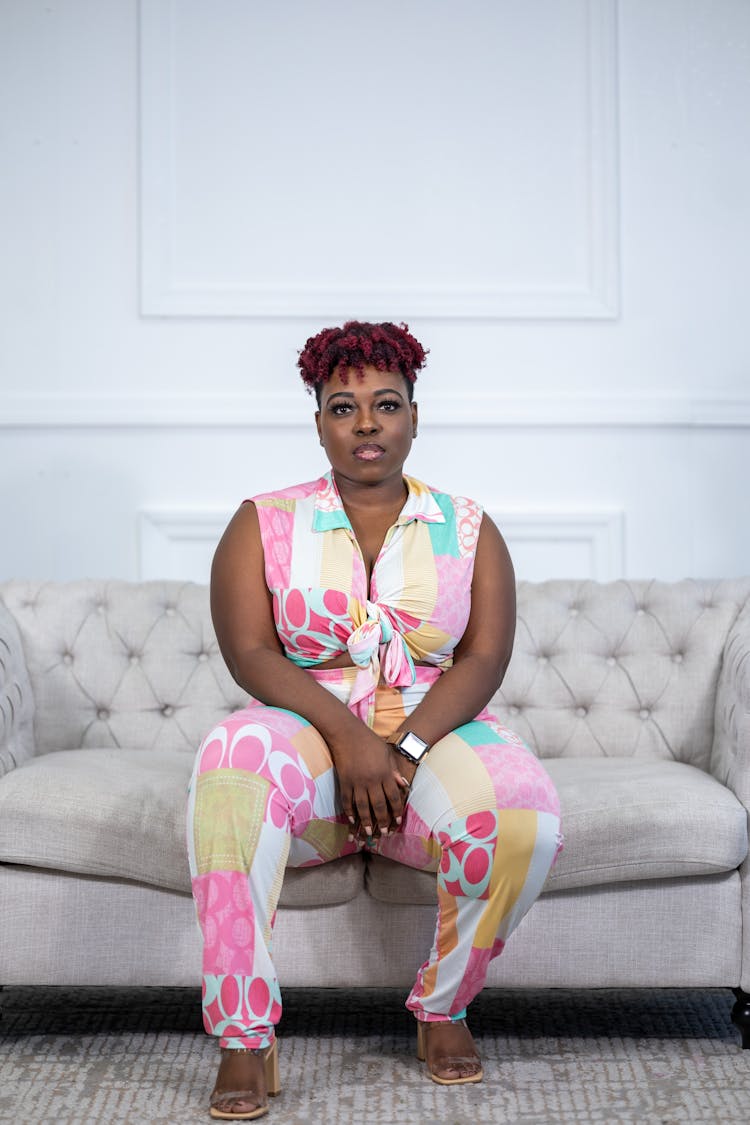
[482,813]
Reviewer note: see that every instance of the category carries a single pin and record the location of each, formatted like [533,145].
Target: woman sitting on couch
[372,619]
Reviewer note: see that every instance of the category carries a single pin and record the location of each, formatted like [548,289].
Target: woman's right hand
[372,785]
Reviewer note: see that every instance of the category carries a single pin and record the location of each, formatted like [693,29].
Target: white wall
[555,195]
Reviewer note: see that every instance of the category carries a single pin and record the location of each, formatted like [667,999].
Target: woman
[372,619]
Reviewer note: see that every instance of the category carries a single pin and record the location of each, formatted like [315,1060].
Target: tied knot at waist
[376,646]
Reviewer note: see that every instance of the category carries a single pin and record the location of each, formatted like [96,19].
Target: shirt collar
[328,511]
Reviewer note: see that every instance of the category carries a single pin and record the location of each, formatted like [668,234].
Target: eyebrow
[381,391]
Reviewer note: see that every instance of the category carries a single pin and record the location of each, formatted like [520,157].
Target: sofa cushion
[121,813]
[624,819]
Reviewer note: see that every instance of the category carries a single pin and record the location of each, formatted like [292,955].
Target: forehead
[368,382]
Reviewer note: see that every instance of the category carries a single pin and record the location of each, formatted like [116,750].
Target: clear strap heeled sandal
[224,1103]
[470,1063]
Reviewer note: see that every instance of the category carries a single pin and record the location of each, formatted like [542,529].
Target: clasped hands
[374,782]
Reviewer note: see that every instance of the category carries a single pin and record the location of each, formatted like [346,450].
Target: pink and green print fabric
[419,597]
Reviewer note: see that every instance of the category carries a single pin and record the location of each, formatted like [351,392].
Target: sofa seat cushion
[121,813]
[624,819]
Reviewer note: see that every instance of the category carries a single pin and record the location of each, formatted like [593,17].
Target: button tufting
[203,657]
[169,610]
[100,607]
[167,710]
[678,658]
[544,660]
[640,611]
[581,712]
[67,658]
[644,713]
[514,710]
[102,713]
[135,658]
[574,611]
[611,661]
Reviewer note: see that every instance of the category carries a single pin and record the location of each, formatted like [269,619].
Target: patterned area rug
[604,1057]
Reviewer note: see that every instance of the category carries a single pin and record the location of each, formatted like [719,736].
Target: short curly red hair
[359,344]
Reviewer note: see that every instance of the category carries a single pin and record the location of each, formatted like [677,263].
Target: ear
[317,424]
[414,418]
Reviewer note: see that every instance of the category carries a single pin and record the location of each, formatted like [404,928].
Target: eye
[389,405]
[340,408]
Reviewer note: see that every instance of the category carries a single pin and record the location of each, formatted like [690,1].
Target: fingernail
[349,838]
[351,820]
[398,820]
[368,830]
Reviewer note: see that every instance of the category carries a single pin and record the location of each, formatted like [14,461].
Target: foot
[240,1089]
[450,1053]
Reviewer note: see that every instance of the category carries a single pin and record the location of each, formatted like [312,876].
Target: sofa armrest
[730,755]
[16,700]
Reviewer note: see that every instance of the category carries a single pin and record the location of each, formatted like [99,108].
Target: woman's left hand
[403,773]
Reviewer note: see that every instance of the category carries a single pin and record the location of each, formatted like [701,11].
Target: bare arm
[482,656]
[241,609]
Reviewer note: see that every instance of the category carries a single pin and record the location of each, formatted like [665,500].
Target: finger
[398,804]
[363,811]
[395,794]
[348,809]
[381,810]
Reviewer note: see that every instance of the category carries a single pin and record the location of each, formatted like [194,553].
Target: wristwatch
[412,746]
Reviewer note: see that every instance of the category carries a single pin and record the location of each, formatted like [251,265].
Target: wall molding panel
[295,410]
[200,260]
[563,544]
[179,543]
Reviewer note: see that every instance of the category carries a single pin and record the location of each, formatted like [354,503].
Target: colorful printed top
[419,599]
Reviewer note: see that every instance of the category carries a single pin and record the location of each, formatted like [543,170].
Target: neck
[383,494]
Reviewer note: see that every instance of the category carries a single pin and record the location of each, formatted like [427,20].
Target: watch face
[412,746]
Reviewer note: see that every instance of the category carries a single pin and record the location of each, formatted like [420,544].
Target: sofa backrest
[618,669]
[622,669]
[16,700]
[121,664]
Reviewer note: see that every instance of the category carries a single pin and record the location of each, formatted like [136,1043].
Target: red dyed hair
[387,347]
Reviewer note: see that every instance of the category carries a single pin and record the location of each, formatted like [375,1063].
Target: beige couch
[637,694]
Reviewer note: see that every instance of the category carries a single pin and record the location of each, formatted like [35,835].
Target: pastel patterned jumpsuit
[482,812]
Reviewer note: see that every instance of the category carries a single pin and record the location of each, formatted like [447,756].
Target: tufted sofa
[637,694]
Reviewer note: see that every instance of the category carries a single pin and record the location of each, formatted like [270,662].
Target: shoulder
[287,497]
[461,512]
[449,500]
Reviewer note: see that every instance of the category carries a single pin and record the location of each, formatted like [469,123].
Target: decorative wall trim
[165,292]
[295,410]
[546,538]
[179,543]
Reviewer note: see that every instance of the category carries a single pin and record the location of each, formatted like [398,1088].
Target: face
[366,425]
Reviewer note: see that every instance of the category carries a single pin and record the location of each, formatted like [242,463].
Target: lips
[369,452]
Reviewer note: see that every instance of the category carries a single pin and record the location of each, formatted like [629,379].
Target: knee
[469,847]
[246,740]
[256,751]
[479,849]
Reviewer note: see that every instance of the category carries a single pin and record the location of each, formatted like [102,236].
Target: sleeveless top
[419,599]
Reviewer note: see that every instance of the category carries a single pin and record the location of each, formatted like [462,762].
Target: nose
[366,421]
